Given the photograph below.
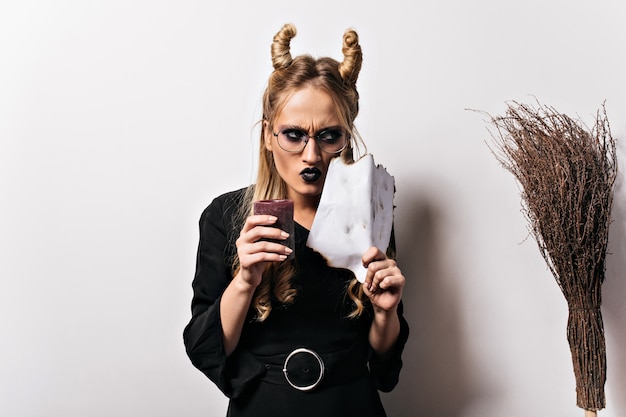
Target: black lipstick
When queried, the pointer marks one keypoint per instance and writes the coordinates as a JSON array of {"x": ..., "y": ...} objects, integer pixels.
[{"x": 310, "y": 174}]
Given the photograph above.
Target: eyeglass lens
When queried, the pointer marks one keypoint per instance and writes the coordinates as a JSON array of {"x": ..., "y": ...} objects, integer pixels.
[{"x": 295, "y": 140}]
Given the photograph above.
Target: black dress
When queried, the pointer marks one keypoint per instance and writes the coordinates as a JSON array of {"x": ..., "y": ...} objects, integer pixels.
[{"x": 252, "y": 376}]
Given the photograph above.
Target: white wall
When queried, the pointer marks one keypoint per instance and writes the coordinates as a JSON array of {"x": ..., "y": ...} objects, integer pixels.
[{"x": 121, "y": 120}]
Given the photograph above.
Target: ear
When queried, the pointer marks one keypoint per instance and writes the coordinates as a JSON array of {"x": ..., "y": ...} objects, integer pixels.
[{"x": 267, "y": 135}]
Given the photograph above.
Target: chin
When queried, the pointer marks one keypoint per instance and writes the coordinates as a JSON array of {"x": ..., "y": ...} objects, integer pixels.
[
  {"x": 313, "y": 193},
  {"x": 310, "y": 190}
]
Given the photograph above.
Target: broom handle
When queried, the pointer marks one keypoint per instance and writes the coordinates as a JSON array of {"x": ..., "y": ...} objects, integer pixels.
[{"x": 590, "y": 413}]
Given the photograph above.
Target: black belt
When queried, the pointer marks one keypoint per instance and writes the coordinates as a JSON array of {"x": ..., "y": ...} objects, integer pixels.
[{"x": 304, "y": 369}]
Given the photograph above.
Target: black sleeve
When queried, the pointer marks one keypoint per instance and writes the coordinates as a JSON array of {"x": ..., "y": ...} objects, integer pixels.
[
  {"x": 386, "y": 369},
  {"x": 203, "y": 335}
]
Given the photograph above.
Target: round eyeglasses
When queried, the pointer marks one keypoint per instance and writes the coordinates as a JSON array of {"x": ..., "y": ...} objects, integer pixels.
[{"x": 295, "y": 140}]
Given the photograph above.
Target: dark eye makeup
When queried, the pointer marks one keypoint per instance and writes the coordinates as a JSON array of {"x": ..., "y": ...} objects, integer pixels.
[{"x": 294, "y": 134}]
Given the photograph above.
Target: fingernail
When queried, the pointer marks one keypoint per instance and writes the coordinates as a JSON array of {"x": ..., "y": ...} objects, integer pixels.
[
  {"x": 288, "y": 250},
  {"x": 282, "y": 257},
  {"x": 272, "y": 218},
  {"x": 284, "y": 234}
]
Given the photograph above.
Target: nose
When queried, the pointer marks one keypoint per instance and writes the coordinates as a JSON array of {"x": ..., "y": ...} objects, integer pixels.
[{"x": 311, "y": 152}]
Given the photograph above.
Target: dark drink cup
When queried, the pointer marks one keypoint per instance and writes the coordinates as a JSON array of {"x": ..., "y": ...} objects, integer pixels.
[{"x": 283, "y": 210}]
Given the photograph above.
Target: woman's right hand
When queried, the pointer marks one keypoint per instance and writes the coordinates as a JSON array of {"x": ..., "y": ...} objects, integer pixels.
[{"x": 254, "y": 252}]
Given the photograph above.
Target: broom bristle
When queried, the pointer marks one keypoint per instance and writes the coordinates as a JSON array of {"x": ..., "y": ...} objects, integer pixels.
[{"x": 566, "y": 174}]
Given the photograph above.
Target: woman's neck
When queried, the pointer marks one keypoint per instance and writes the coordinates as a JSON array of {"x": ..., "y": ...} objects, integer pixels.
[{"x": 304, "y": 212}]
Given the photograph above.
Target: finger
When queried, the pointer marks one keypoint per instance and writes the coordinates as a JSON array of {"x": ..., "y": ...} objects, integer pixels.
[
  {"x": 262, "y": 232},
  {"x": 252, "y": 259},
  {"x": 383, "y": 270},
  {"x": 266, "y": 232},
  {"x": 258, "y": 220},
  {"x": 387, "y": 298},
  {"x": 392, "y": 282},
  {"x": 377, "y": 268},
  {"x": 269, "y": 247},
  {"x": 371, "y": 274},
  {"x": 372, "y": 254},
  {"x": 255, "y": 253},
  {"x": 386, "y": 263}
]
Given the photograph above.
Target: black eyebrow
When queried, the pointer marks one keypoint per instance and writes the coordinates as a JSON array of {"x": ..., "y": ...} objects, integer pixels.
[{"x": 324, "y": 129}]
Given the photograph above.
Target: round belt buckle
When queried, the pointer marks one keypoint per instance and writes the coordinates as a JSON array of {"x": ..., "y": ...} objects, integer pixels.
[{"x": 319, "y": 361}]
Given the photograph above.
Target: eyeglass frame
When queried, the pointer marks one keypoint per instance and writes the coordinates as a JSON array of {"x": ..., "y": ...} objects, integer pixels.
[{"x": 316, "y": 137}]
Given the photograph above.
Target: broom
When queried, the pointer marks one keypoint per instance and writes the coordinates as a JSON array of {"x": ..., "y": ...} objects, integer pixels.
[{"x": 566, "y": 173}]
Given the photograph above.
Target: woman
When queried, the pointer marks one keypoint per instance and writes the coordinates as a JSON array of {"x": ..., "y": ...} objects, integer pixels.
[{"x": 294, "y": 337}]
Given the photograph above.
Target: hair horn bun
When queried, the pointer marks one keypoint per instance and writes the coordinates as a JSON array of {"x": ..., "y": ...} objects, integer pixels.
[
  {"x": 352, "y": 57},
  {"x": 281, "y": 57}
]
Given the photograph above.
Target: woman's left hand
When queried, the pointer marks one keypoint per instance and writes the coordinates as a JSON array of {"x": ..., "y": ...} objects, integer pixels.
[{"x": 384, "y": 280}]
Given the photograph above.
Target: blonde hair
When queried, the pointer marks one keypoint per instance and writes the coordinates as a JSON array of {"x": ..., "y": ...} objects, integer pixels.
[{"x": 338, "y": 79}]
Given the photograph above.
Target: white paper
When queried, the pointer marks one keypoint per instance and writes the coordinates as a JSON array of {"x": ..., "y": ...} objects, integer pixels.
[{"x": 354, "y": 214}]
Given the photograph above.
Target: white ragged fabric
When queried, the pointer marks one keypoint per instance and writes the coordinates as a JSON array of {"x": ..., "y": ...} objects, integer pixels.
[{"x": 354, "y": 214}]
